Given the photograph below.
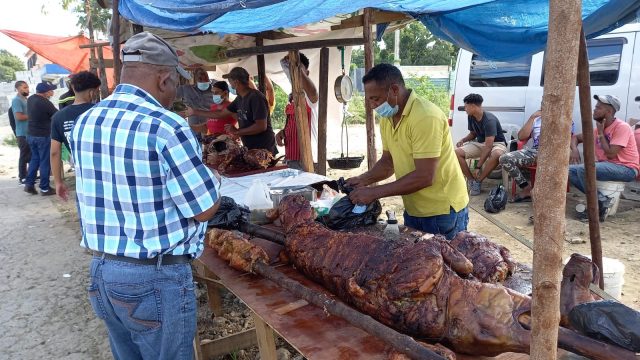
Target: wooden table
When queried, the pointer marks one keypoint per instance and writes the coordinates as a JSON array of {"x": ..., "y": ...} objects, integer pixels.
[{"x": 311, "y": 331}]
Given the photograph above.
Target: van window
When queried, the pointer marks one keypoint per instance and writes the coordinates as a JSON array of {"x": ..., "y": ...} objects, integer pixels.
[
  {"x": 604, "y": 61},
  {"x": 490, "y": 73}
]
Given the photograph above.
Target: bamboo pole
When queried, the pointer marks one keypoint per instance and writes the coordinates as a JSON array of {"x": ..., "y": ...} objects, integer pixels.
[
  {"x": 102, "y": 74},
  {"x": 302, "y": 118},
  {"x": 561, "y": 60},
  {"x": 401, "y": 342},
  {"x": 323, "y": 102},
  {"x": 584, "y": 89},
  {"x": 368, "y": 64},
  {"x": 117, "y": 65}
]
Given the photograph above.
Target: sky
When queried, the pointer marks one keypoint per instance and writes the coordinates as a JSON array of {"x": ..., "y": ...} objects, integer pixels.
[{"x": 27, "y": 16}]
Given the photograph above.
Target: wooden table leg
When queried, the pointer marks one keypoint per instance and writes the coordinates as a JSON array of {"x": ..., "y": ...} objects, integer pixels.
[
  {"x": 213, "y": 290},
  {"x": 266, "y": 339}
]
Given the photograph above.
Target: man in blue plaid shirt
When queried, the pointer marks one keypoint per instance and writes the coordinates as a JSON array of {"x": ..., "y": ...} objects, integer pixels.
[{"x": 144, "y": 198}]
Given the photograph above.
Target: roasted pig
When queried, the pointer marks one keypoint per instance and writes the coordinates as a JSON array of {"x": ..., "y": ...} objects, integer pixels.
[{"x": 491, "y": 262}]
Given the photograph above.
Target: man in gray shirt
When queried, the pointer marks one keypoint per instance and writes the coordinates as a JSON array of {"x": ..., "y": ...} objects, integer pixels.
[{"x": 198, "y": 96}]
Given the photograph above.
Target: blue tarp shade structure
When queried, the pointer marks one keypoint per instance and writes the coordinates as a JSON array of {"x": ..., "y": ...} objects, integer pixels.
[{"x": 495, "y": 29}]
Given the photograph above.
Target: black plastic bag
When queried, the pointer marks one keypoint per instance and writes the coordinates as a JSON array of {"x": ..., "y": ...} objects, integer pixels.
[
  {"x": 609, "y": 321},
  {"x": 342, "y": 217},
  {"x": 229, "y": 214},
  {"x": 496, "y": 201}
]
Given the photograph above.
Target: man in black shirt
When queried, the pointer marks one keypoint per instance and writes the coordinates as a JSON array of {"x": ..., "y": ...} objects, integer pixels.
[
  {"x": 485, "y": 142},
  {"x": 84, "y": 85},
  {"x": 40, "y": 110},
  {"x": 252, "y": 109}
]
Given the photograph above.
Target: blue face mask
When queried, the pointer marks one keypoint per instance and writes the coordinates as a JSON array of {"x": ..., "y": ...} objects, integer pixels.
[
  {"x": 203, "y": 86},
  {"x": 386, "y": 110},
  {"x": 217, "y": 99},
  {"x": 232, "y": 90}
]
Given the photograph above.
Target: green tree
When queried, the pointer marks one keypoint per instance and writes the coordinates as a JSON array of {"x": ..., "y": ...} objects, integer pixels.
[
  {"x": 9, "y": 64},
  {"x": 99, "y": 17},
  {"x": 417, "y": 47}
]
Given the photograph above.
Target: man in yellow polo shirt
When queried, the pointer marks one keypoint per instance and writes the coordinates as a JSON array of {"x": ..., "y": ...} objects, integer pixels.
[{"x": 417, "y": 148}]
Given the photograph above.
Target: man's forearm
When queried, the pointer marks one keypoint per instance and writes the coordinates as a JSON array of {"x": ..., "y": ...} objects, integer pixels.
[
  {"x": 380, "y": 171},
  {"x": 407, "y": 184},
  {"x": 56, "y": 165},
  {"x": 207, "y": 113},
  {"x": 251, "y": 130}
]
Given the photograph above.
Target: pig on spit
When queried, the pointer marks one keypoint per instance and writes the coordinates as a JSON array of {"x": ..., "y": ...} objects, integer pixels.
[{"x": 423, "y": 289}]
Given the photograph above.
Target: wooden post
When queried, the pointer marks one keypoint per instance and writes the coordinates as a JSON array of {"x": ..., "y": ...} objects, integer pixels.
[
  {"x": 323, "y": 101},
  {"x": 92, "y": 51},
  {"x": 261, "y": 68},
  {"x": 584, "y": 89},
  {"x": 102, "y": 73},
  {"x": 117, "y": 65},
  {"x": 368, "y": 64},
  {"x": 302, "y": 120},
  {"x": 561, "y": 60},
  {"x": 266, "y": 339}
]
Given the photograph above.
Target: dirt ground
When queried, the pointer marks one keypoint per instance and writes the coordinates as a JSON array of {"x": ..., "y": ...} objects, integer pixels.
[{"x": 45, "y": 311}]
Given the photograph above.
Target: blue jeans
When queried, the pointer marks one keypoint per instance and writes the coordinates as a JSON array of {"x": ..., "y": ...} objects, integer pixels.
[
  {"x": 605, "y": 171},
  {"x": 447, "y": 225},
  {"x": 40, "y": 149},
  {"x": 149, "y": 310}
]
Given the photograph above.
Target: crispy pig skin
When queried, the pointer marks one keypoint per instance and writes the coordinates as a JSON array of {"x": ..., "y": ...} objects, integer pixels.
[
  {"x": 491, "y": 262},
  {"x": 231, "y": 246},
  {"x": 417, "y": 288}
]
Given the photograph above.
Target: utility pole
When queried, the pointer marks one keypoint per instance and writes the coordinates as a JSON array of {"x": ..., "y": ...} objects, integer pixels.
[{"x": 396, "y": 48}]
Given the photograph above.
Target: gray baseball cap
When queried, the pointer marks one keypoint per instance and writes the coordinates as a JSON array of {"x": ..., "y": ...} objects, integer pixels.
[
  {"x": 609, "y": 100},
  {"x": 148, "y": 48}
]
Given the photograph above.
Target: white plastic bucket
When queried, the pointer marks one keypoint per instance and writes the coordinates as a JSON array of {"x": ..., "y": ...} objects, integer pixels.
[
  {"x": 611, "y": 189},
  {"x": 613, "y": 276}
]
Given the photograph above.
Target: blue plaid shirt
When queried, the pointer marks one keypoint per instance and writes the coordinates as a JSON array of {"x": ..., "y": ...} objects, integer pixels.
[{"x": 140, "y": 179}]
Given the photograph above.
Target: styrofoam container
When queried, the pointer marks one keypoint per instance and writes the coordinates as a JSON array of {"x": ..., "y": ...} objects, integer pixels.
[
  {"x": 613, "y": 274},
  {"x": 611, "y": 189}
]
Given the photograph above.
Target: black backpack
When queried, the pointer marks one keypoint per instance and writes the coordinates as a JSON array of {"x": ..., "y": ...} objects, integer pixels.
[
  {"x": 496, "y": 201},
  {"x": 12, "y": 121}
]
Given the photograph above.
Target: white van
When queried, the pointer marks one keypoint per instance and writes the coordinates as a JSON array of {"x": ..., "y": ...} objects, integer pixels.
[{"x": 512, "y": 90}]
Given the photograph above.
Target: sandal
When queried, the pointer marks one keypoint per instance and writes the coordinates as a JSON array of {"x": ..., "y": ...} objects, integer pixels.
[{"x": 519, "y": 199}]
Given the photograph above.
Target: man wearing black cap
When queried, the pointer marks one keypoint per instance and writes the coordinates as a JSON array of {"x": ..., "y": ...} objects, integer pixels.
[
  {"x": 144, "y": 199},
  {"x": 40, "y": 110},
  {"x": 615, "y": 147},
  {"x": 252, "y": 110}
]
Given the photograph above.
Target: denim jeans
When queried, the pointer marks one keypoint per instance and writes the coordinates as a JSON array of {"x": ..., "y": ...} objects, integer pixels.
[
  {"x": 447, "y": 225},
  {"x": 40, "y": 148},
  {"x": 149, "y": 310},
  {"x": 25, "y": 156},
  {"x": 605, "y": 171}
]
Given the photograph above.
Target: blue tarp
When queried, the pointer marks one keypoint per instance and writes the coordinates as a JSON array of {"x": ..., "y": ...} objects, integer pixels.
[{"x": 496, "y": 29}]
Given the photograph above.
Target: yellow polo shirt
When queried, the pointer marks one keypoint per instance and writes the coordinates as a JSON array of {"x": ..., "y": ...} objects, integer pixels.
[{"x": 423, "y": 132}]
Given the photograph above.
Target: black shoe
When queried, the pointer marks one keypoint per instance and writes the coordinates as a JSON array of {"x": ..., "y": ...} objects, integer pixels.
[
  {"x": 51, "y": 191},
  {"x": 603, "y": 209},
  {"x": 21, "y": 182},
  {"x": 30, "y": 189}
]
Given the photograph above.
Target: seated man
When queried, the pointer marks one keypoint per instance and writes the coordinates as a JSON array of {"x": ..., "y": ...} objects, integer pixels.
[
  {"x": 485, "y": 142},
  {"x": 513, "y": 161},
  {"x": 615, "y": 148}
]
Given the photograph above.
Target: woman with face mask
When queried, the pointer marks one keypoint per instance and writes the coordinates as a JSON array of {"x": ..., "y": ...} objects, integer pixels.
[{"x": 215, "y": 126}]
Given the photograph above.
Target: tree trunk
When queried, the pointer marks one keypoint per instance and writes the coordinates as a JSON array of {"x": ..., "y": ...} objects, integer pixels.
[{"x": 561, "y": 60}]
